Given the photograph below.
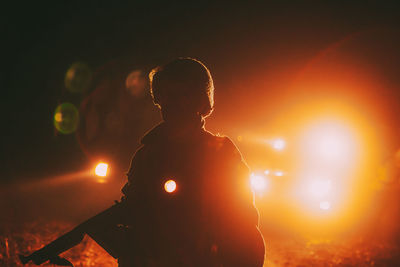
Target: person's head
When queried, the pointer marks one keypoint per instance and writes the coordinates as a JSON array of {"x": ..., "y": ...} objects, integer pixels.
[{"x": 182, "y": 88}]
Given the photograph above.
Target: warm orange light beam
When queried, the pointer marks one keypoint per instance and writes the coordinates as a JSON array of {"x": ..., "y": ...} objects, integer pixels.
[{"x": 57, "y": 180}]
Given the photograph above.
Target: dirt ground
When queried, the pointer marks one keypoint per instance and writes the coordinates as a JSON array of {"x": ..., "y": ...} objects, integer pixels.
[
  {"x": 25, "y": 238},
  {"x": 32, "y": 217}
]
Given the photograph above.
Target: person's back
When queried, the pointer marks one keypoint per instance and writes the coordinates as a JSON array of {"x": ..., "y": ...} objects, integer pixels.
[{"x": 187, "y": 190}]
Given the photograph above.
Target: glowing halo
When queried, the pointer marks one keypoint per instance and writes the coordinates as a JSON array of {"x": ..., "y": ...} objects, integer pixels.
[{"x": 170, "y": 186}]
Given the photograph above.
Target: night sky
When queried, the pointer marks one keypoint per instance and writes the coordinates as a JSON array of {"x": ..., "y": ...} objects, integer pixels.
[{"x": 253, "y": 50}]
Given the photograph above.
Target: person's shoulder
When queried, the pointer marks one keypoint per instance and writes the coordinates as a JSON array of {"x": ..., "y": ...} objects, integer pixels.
[{"x": 222, "y": 143}]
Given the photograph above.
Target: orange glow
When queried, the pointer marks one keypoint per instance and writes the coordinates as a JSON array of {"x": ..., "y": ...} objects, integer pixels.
[
  {"x": 327, "y": 170},
  {"x": 278, "y": 144},
  {"x": 330, "y": 141},
  {"x": 170, "y": 186},
  {"x": 258, "y": 183},
  {"x": 338, "y": 119},
  {"x": 101, "y": 169}
]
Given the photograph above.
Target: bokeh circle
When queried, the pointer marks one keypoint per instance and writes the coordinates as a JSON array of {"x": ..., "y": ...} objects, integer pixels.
[
  {"x": 78, "y": 78},
  {"x": 66, "y": 118}
]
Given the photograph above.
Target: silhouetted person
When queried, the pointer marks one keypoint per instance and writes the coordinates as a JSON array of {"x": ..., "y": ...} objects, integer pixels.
[{"x": 210, "y": 218}]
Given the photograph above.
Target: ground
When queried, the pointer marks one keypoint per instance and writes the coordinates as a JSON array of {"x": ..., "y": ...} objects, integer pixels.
[{"x": 281, "y": 251}]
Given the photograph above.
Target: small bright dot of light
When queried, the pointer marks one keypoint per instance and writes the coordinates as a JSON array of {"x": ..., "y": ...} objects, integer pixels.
[
  {"x": 101, "y": 169},
  {"x": 325, "y": 205},
  {"x": 278, "y": 144},
  {"x": 266, "y": 172},
  {"x": 58, "y": 117},
  {"x": 170, "y": 186},
  {"x": 279, "y": 173}
]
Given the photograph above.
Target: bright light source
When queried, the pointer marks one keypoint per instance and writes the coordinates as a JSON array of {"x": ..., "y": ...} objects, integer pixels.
[
  {"x": 325, "y": 205},
  {"x": 319, "y": 188},
  {"x": 258, "y": 183},
  {"x": 278, "y": 144},
  {"x": 170, "y": 186},
  {"x": 266, "y": 172},
  {"x": 330, "y": 142},
  {"x": 278, "y": 173},
  {"x": 329, "y": 150},
  {"x": 101, "y": 169}
]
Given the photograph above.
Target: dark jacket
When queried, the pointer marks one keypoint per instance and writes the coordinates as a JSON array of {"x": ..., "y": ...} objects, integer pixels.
[{"x": 210, "y": 220}]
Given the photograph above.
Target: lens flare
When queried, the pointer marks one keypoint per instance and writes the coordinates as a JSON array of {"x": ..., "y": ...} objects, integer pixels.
[
  {"x": 136, "y": 83},
  {"x": 78, "y": 78},
  {"x": 170, "y": 186},
  {"x": 66, "y": 118},
  {"x": 58, "y": 117},
  {"x": 101, "y": 169}
]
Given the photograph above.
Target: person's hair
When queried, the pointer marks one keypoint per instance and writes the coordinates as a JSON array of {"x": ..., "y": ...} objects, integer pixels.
[{"x": 184, "y": 82}]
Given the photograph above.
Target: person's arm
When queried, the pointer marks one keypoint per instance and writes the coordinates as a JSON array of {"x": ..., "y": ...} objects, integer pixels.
[{"x": 134, "y": 190}]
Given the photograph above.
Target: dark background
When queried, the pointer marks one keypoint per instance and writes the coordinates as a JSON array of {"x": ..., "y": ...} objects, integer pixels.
[{"x": 251, "y": 49}]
